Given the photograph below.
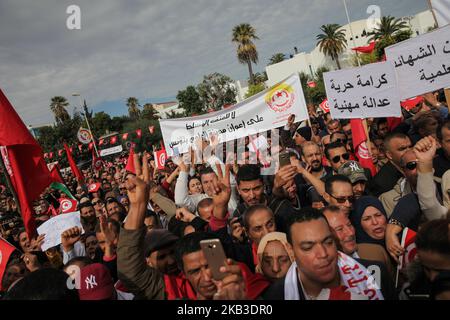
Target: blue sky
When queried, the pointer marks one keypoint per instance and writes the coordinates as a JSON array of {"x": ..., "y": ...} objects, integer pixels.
[{"x": 149, "y": 49}]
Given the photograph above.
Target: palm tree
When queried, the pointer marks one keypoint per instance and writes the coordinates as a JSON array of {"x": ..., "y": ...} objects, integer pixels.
[
  {"x": 58, "y": 106},
  {"x": 276, "y": 58},
  {"x": 387, "y": 28},
  {"x": 243, "y": 36},
  {"x": 149, "y": 112},
  {"x": 332, "y": 41},
  {"x": 133, "y": 108}
]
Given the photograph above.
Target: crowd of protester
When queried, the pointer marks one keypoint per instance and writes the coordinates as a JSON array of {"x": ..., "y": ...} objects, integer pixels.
[{"x": 316, "y": 228}]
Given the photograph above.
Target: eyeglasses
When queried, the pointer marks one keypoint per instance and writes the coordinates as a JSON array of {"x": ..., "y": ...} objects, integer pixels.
[
  {"x": 342, "y": 200},
  {"x": 411, "y": 165},
  {"x": 344, "y": 156}
]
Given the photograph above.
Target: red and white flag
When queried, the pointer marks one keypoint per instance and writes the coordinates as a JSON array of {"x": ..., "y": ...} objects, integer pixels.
[
  {"x": 113, "y": 140},
  {"x": 60, "y": 152},
  {"x": 324, "y": 106},
  {"x": 97, "y": 162},
  {"x": 100, "y": 142},
  {"x": 360, "y": 146},
  {"x": 50, "y": 155},
  {"x": 67, "y": 205},
  {"x": 151, "y": 129},
  {"x": 125, "y": 136},
  {"x": 139, "y": 133},
  {"x": 80, "y": 147},
  {"x": 130, "y": 162},
  {"x": 91, "y": 146},
  {"x": 408, "y": 243},
  {"x": 73, "y": 166},
  {"x": 94, "y": 187},
  {"x": 160, "y": 159}
]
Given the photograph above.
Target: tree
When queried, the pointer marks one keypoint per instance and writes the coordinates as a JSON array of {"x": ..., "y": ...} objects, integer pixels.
[
  {"x": 276, "y": 58},
  {"x": 243, "y": 35},
  {"x": 259, "y": 77},
  {"x": 216, "y": 90},
  {"x": 387, "y": 28},
  {"x": 332, "y": 41},
  {"x": 255, "y": 89},
  {"x": 189, "y": 100},
  {"x": 133, "y": 108},
  {"x": 58, "y": 106},
  {"x": 388, "y": 41},
  {"x": 101, "y": 124},
  {"x": 149, "y": 112}
]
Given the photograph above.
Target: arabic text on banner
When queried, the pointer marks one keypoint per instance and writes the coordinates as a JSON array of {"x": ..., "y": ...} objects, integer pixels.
[
  {"x": 422, "y": 64},
  {"x": 265, "y": 111},
  {"x": 363, "y": 92}
]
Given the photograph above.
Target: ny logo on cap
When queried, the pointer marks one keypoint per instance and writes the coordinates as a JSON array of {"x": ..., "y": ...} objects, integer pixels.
[
  {"x": 354, "y": 166},
  {"x": 90, "y": 282}
]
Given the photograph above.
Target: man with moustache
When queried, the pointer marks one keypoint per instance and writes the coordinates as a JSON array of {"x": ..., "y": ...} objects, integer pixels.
[
  {"x": 345, "y": 235},
  {"x": 321, "y": 272},
  {"x": 311, "y": 156}
]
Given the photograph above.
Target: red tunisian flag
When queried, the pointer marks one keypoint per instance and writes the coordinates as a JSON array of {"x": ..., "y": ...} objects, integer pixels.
[
  {"x": 360, "y": 146},
  {"x": 139, "y": 133},
  {"x": 24, "y": 161},
  {"x": 160, "y": 159},
  {"x": 408, "y": 243},
  {"x": 67, "y": 205},
  {"x": 73, "y": 165},
  {"x": 55, "y": 174},
  {"x": 5, "y": 252},
  {"x": 97, "y": 162},
  {"x": 325, "y": 106}
]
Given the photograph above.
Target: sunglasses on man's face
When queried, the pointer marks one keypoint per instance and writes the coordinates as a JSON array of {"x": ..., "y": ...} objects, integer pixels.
[
  {"x": 344, "y": 156},
  {"x": 411, "y": 165},
  {"x": 342, "y": 200}
]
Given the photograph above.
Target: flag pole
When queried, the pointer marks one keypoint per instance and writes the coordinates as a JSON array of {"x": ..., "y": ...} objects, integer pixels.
[
  {"x": 8, "y": 182},
  {"x": 351, "y": 31},
  {"x": 433, "y": 13}
]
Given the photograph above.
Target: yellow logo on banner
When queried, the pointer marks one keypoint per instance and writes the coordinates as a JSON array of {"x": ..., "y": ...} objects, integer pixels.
[{"x": 280, "y": 98}]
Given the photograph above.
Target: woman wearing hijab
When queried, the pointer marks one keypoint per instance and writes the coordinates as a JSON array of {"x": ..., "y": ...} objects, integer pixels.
[
  {"x": 274, "y": 256},
  {"x": 370, "y": 221}
]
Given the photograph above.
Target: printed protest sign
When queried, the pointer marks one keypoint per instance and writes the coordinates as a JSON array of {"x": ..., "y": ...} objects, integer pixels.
[
  {"x": 367, "y": 91},
  {"x": 267, "y": 110},
  {"x": 422, "y": 64}
]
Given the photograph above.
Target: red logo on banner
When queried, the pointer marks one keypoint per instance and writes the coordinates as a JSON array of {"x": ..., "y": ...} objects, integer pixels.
[{"x": 280, "y": 98}]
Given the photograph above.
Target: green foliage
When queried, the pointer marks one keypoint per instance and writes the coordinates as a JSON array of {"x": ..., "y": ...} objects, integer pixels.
[
  {"x": 243, "y": 35},
  {"x": 189, "y": 100},
  {"x": 216, "y": 90},
  {"x": 254, "y": 89},
  {"x": 133, "y": 108},
  {"x": 149, "y": 112},
  {"x": 332, "y": 41},
  {"x": 276, "y": 58},
  {"x": 317, "y": 94}
]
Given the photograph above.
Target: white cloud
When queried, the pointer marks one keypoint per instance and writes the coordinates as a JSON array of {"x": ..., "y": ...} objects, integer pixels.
[{"x": 148, "y": 49}]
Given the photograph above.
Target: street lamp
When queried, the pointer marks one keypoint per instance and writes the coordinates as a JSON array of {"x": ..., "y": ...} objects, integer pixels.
[{"x": 87, "y": 122}]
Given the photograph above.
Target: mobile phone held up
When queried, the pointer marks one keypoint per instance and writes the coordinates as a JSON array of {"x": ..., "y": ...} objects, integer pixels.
[
  {"x": 214, "y": 254},
  {"x": 285, "y": 158}
]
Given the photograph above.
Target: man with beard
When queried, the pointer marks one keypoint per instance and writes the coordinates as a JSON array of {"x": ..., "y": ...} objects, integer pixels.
[
  {"x": 312, "y": 157},
  {"x": 87, "y": 215}
]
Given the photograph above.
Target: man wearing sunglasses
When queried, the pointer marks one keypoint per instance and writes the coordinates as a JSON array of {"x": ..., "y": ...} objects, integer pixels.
[
  {"x": 336, "y": 154},
  {"x": 339, "y": 193},
  {"x": 405, "y": 185}
]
